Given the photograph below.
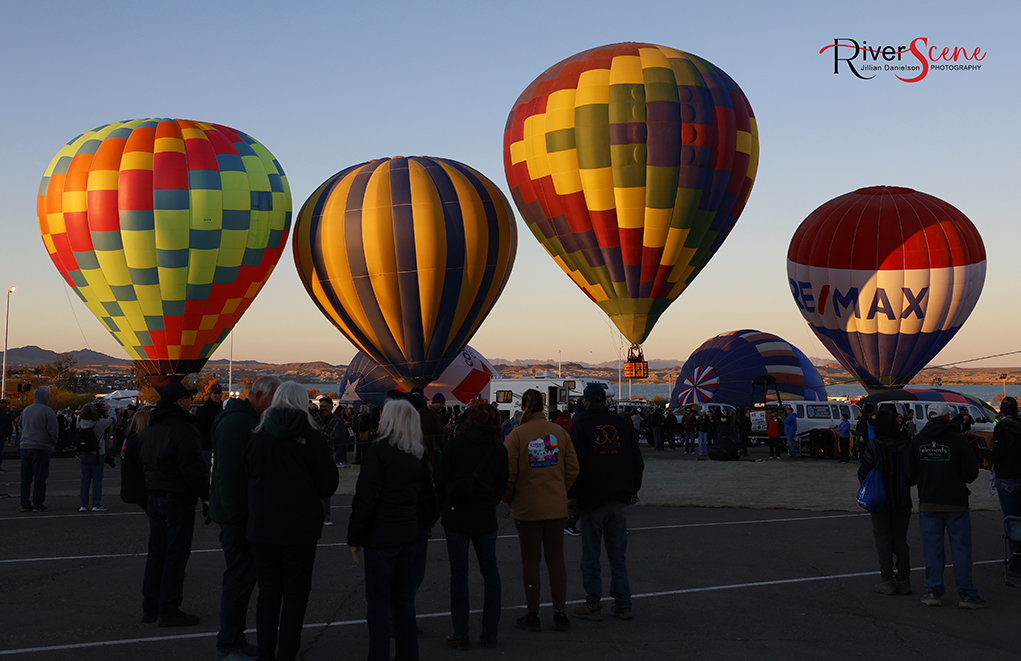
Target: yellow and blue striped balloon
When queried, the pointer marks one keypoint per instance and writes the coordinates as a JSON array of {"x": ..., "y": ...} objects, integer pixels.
[{"x": 406, "y": 257}]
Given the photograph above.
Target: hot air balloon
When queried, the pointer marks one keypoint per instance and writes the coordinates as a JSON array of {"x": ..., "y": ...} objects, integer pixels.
[
  {"x": 466, "y": 377},
  {"x": 726, "y": 369},
  {"x": 885, "y": 276},
  {"x": 167, "y": 229},
  {"x": 406, "y": 256},
  {"x": 631, "y": 164}
]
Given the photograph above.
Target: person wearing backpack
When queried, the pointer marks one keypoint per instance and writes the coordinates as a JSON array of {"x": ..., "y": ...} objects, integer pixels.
[
  {"x": 90, "y": 440},
  {"x": 888, "y": 452}
]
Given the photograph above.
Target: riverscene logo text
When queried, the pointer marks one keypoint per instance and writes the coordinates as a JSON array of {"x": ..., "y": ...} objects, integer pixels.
[{"x": 915, "y": 61}]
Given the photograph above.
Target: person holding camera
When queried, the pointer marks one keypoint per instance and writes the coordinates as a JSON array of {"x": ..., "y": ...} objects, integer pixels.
[{"x": 93, "y": 418}]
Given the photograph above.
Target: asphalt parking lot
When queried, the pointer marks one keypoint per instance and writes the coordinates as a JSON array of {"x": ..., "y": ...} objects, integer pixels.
[{"x": 708, "y": 582}]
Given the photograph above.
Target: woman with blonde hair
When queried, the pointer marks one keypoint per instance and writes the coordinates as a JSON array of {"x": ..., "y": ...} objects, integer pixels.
[
  {"x": 385, "y": 523},
  {"x": 542, "y": 467},
  {"x": 290, "y": 471}
]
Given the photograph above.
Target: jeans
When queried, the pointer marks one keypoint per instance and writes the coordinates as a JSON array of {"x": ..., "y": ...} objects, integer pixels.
[
  {"x": 485, "y": 552},
  {"x": 657, "y": 438},
  {"x": 607, "y": 522},
  {"x": 35, "y": 465},
  {"x": 239, "y": 576},
  {"x": 92, "y": 474},
  {"x": 792, "y": 446},
  {"x": 958, "y": 526},
  {"x": 285, "y": 581},
  {"x": 390, "y": 591},
  {"x": 703, "y": 440},
  {"x": 890, "y": 529},
  {"x": 340, "y": 456},
  {"x": 689, "y": 440},
  {"x": 1009, "y": 492},
  {"x": 171, "y": 525}
]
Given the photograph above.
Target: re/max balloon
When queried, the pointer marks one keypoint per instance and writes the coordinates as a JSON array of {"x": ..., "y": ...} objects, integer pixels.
[
  {"x": 466, "y": 378},
  {"x": 167, "y": 229},
  {"x": 885, "y": 277},
  {"x": 406, "y": 256},
  {"x": 724, "y": 369},
  {"x": 631, "y": 163}
]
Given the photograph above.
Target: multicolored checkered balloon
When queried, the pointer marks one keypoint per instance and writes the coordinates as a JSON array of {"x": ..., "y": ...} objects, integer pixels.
[
  {"x": 631, "y": 164},
  {"x": 167, "y": 229}
]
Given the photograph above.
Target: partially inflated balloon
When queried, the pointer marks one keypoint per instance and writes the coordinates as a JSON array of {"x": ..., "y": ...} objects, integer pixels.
[
  {"x": 167, "y": 230},
  {"x": 406, "y": 256},
  {"x": 631, "y": 164},
  {"x": 466, "y": 377},
  {"x": 725, "y": 367},
  {"x": 885, "y": 277}
]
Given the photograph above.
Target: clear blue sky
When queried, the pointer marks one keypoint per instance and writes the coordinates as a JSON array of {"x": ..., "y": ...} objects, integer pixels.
[{"x": 328, "y": 85}]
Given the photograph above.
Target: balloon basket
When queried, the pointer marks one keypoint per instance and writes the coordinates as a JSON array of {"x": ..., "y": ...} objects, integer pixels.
[{"x": 636, "y": 367}]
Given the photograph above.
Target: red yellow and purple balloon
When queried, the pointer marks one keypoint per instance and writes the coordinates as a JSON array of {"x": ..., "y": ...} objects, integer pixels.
[
  {"x": 631, "y": 164},
  {"x": 167, "y": 229},
  {"x": 406, "y": 257}
]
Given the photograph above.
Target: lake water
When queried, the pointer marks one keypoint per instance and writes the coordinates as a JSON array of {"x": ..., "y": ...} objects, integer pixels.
[{"x": 984, "y": 392}]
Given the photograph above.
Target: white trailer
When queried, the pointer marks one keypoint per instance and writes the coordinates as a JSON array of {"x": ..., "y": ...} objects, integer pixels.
[{"x": 556, "y": 391}]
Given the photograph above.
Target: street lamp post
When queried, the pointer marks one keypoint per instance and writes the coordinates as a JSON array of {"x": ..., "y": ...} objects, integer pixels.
[{"x": 7, "y": 317}]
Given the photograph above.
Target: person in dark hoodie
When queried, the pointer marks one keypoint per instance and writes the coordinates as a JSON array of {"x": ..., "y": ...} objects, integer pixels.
[
  {"x": 175, "y": 478},
  {"x": 1006, "y": 458},
  {"x": 385, "y": 524},
  {"x": 942, "y": 464},
  {"x": 228, "y": 506},
  {"x": 888, "y": 453},
  {"x": 290, "y": 471},
  {"x": 470, "y": 482},
  {"x": 38, "y": 424},
  {"x": 610, "y": 476}
]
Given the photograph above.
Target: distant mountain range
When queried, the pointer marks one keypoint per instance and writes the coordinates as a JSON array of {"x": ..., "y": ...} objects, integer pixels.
[
  {"x": 33, "y": 356},
  {"x": 654, "y": 363}
]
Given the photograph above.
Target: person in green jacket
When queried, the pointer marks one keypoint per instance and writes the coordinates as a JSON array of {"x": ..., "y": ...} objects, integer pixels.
[{"x": 228, "y": 506}]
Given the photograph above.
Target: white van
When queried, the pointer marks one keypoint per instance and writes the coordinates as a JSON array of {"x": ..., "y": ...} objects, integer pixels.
[
  {"x": 982, "y": 419},
  {"x": 817, "y": 414}
]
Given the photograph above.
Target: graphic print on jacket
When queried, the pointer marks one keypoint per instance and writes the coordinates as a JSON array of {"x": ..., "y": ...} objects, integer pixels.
[{"x": 543, "y": 452}]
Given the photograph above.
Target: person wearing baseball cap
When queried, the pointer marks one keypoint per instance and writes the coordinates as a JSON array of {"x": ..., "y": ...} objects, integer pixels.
[
  {"x": 205, "y": 416},
  {"x": 942, "y": 464},
  {"x": 176, "y": 477}
]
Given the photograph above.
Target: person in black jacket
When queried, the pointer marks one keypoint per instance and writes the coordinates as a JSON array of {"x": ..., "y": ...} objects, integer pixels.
[
  {"x": 205, "y": 417},
  {"x": 290, "y": 471},
  {"x": 470, "y": 482},
  {"x": 176, "y": 477},
  {"x": 385, "y": 523},
  {"x": 942, "y": 464},
  {"x": 132, "y": 474},
  {"x": 1006, "y": 458},
  {"x": 888, "y": 453}
]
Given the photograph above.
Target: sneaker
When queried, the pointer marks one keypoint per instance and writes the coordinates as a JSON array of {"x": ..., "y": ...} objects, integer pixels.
[
  {"x": 26, "y": 508},
  {"x": 590, "y": 613},
  {"x": 234, "y": 655},
  {"x": 930, "y": 598},
  {"x": 327, "y": 522},
  {"x": 149, "y": 618},
  {"x": 560, "y": 621},
  {"x": 529, "y": 622},
  {"x": 972, "y": 602},
  {"x": 99, "y": 508},
  {"x": 623, "y": 612},
  {"x": 178, "y": 619},
  {"x": 572, "y": 530},
  {"x": 903, "y": 587},
  {"x": 39, "y": 508},
  {"x": 487, "y": 641},
  {"x": 340, "y": 464},
  {"x": 83, "y": 509},
  {"x": 889, "y": 588}
]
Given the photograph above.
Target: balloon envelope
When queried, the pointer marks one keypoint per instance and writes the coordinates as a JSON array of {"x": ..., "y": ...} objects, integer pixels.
[
  {"x": 885, "y": 277},
  {"x": 631, "y": 163},
  {"x": 167, "y": 230},
  {"x": 466, "y": 377},
  {"x": 406, "y": 256},
  {"x": 724, "y": 368}
]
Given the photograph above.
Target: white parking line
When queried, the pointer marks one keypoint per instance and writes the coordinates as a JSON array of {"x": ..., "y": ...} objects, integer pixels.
[
  {"x": 434, "y": 539},
  {"x": 343, "y": 623}
]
